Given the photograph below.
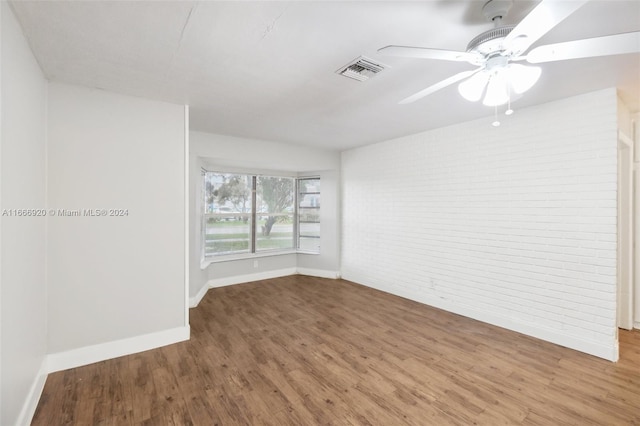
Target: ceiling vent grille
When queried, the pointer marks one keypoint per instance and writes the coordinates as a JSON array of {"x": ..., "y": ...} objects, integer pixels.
[{"x": 361, "y": 69}]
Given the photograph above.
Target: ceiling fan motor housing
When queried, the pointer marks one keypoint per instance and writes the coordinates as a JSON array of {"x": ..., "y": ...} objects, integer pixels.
[{"x": 490, "y": 42}]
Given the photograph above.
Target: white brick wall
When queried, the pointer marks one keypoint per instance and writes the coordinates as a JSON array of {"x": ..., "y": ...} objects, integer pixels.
[{"x": 514, "y": 225}]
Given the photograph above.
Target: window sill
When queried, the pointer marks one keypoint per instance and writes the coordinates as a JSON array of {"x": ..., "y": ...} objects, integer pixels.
[{"x": 205, "y": 263}]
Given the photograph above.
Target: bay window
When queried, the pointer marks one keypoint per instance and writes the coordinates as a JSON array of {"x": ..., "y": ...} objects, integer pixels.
[{"x": 249, "y": 214}]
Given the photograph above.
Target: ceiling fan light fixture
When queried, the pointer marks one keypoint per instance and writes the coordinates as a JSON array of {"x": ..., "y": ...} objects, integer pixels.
[
  {"x": 499, "y": 82},
  {"x": 472, "y": 88},
  {"x": 497, "y": 90}
]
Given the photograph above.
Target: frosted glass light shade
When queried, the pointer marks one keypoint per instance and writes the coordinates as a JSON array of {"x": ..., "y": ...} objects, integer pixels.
[
  {"x": 497, "y": 90},
  {"x": 498, "y": 84},
  {"x": 522, "y": 78},
  {"x": 472, "y": 88}
]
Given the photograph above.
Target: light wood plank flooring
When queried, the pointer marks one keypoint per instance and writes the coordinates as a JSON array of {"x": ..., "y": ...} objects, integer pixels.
[{"x": 309, "y": 351}]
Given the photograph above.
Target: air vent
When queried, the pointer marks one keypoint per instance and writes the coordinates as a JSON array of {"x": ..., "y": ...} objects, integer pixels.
[{"x": 361, "y": 69}]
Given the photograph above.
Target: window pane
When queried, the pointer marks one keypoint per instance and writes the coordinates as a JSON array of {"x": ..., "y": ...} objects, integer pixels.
[
  {"x": 310, "y": 244},
  {"x": 280, "y": 237},
  {"x": 309, "y": 214},
  {"x": 310, "y": 185},
  {"x": 274, "y": 212},
  {"x": 228, "y": 193},
  {"x": 224, "y": 236},
  {"x": 309, "y": 230},
  {"x": 309, "y": 201},
  {"x": 228, "y": 213}
]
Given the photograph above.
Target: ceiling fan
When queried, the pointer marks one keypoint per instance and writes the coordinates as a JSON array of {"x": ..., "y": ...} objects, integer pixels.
[{"x": 499, "y": 77}]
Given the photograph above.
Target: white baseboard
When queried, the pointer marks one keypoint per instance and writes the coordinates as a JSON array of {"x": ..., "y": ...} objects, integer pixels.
[
  {"x": 322, "y": 273},
  {"x": 599, "y": 349},
  {"x": 636, "y": 324},
  {"x": 100, "y": 352},
  {"x": 33, "y": 397},
  {"x": 239, "y": 279},
  {"x": 247, "y": 278},
  {"x": 90, "y": 354},
  {"x": 606, "y": 351},
  {"x": 193, "y": 301}
]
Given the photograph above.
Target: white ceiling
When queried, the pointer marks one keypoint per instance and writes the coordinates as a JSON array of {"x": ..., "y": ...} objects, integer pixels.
[{"x": 266, "y": 69}]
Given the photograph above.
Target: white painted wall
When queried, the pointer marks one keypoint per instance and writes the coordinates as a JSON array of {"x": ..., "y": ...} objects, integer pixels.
[
  {"x": 249, "y": 154},
  {"x": 624, "y": 264},
  {"x": 515, "y": 225},
  {"x": 636, "y": 220},
  {"x": 113, "y": 278},
  {"x": 23, "y": 94}
]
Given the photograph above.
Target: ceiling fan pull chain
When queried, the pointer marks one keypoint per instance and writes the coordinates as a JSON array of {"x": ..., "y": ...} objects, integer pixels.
[
  {"x": 495, "y": 123},
  {"x": 509, "y": 111}
]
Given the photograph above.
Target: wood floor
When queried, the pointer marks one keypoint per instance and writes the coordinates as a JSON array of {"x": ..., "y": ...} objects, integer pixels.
[{"x": 306, "y": 351}]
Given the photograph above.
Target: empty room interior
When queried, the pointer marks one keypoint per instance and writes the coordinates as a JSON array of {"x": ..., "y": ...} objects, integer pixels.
[{"x": 310, "y": 212}]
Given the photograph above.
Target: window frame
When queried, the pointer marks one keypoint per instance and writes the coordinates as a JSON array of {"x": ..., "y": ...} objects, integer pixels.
[
  {"x": 253, "y": 251},
  {"x": 206, "y": 216}
]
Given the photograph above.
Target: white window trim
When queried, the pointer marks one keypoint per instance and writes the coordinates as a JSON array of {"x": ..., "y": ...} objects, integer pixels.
[{"x": 206, "y": 261}]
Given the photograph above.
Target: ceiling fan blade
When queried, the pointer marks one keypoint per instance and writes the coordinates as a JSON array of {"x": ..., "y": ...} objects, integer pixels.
[
  {"x": 427, "y": 53},
  {"x": 546, "y": 15},
  {"x": 617, "y": 44},
  {"x": 440, "y": 85}
]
